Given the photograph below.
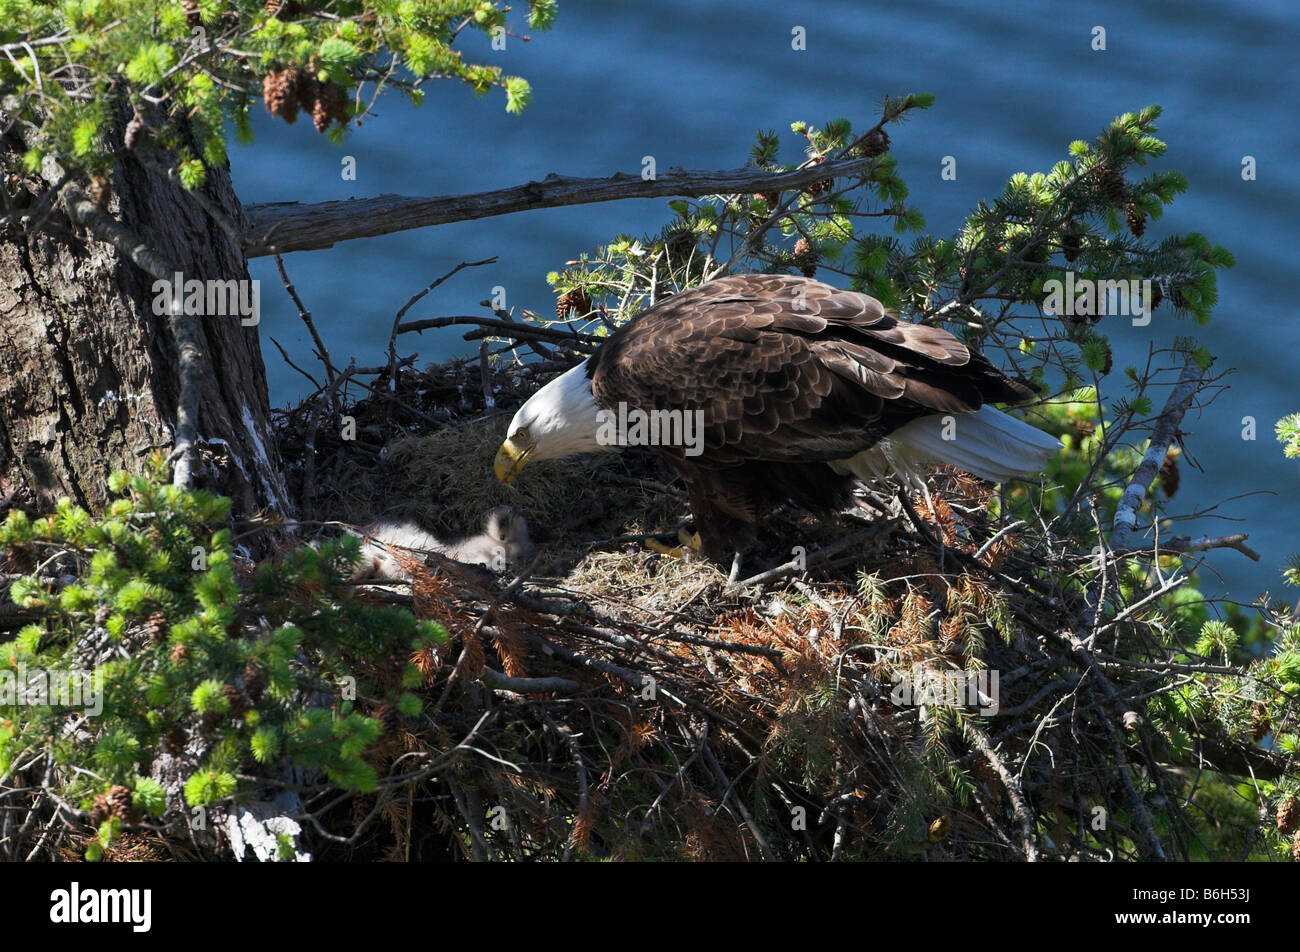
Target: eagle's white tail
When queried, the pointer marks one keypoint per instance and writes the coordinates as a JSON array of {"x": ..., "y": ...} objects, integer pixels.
[{"x": 988, "y": 443}]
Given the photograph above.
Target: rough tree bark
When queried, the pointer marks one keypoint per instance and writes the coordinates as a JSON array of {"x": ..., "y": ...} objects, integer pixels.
[{"x": 89, "y": 380}]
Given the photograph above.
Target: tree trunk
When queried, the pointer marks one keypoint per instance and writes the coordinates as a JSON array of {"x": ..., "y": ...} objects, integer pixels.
[{"x": 88, "y": 371}]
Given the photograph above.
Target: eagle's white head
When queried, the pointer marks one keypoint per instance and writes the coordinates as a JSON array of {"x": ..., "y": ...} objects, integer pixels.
[{"x": 558, "y": 420}]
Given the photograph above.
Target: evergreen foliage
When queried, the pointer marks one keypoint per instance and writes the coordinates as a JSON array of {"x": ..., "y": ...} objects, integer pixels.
[
  {"x": 204, "y": 662},
  {"x": 172, "y": 74}
]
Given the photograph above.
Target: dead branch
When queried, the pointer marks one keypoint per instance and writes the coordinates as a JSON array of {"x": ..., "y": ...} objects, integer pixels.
[
  {"x": 495, "y": 327},
  {"x": 293, "y": 226},
  {"x": 1161, "y": 436}
]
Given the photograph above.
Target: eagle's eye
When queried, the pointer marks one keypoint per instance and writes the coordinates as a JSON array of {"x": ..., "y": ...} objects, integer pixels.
[{"x": 521, "y": 435}]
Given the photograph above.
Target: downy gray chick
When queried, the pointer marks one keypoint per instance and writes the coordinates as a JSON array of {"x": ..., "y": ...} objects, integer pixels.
[{"x": 503, "y": 543}]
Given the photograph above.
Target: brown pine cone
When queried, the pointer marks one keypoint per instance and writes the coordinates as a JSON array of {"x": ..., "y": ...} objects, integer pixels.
[
  {"x": 391, "y": 718},
  {"x": 191, "y": 8},
  {"x": 805, "y": 257},
  {"x": 1071, "y": 244},
  {"x": 156, "y": 626},
  {"x": 119, "y": 805},
  {"x": 576, "y": 301},
  {"x": 254, "y": 682},
  {"x": 331, "y": 106},
  {"x": 100, "y": 811},
  {"x": 180, "y": 652},
  {"x": 100, "y": 191},
  {"x": 875, "y": 143},
  {"x": 1157, "y": 295},
  {"x": 1137, "y": 219},
  {"x": 1288, "y": 815},
  {"x": 282, "y": 9},
  {"x": 235, "y": 699},
  {"x": 1169, "y": 475},
  {"x": 174, "y": 740},
  {"x": 281, "y": 92},
  {"x": 822, "y": 187},
  {"x": 1260, "y": 723},
  {"x": 1295, "y": 847},
  {"x": 1111, "y": 182},
  {"x": 211, "y": 721}
]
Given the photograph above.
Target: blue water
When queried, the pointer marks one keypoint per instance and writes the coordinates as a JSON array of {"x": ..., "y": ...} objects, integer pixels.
[{"x": 690, "y": 82}]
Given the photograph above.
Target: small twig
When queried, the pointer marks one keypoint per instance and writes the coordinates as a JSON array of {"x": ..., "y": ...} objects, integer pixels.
[
  {"x": 322, "y": 354},
  {"x": 485, "y": 376},
  {"x": 1236, "y": 540},
  {"x": 315, "y": 383},
  {"x": 495, "y": 327},
  {"x": 1004, "y": 531},
  {"x": 1180, "y": 399},
  {"x": 502, "y": 682},
  {"x": 415, "y": 298},
  {"x": 1012, "y": 785}
]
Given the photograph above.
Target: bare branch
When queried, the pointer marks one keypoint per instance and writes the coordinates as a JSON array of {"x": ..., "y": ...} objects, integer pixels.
[
  {"x": 1163, "y": 434},
  {"x": 292, "y": 226}
]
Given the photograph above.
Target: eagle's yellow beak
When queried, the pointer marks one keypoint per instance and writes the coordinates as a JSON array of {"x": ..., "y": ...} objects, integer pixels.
[{"x": 510, "y": 460}]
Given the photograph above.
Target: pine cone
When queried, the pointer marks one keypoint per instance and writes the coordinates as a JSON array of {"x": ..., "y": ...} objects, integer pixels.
[
  {"x": 118, "y": 802},
  {"x": 1111, "y": 182},
  {"x": 805, "y": 257},
  {"x": 281, "y": 89},
  {"x": 191, "y": 8},
  {"x": 391, "y": 718},
  {"x": 331, "y": 106},
  {"x": 254, "y": 682},
  {"x": 576, "y": 300},
  {"x": 1295, "y": 847},
  {"x": 1169, "y": 475},
  {"x": 1157, "y": 295},
  {"x": 174, "y": 740},
  {"x": 211, "y": 721},
  {"x": 875, "y": 143},
  {"x": 1137, "y": 219},
  {"x": 1109, "y": 363},
  {"x": 1071, "y": 244},
  {"x": 825, "y": 185},
  {"x": 235, "y": 699},
  {"x": 1288, "y": 815},
  {"x": 1176, "y": 298},
  {"x": 99, "y": 192},
  {"x": 156, "y": 626},
  {"x": 100, "y": 811},
  {"x": 1260, "y": 724},
  {"x": 282, "y": 9},
  {"x": 180, "y": 652}
]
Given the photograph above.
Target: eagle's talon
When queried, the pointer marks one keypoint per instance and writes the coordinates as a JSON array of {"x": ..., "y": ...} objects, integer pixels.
[
  {"x": 690, "y": 547},
  {"x": 673, "y": 552}
]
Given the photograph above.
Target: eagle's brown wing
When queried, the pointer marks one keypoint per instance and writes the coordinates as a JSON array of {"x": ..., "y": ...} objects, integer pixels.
[{"x": 787, "y": 368}]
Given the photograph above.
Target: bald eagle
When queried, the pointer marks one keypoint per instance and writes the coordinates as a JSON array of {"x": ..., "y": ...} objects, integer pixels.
[{"x": 790, "y": 389}]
